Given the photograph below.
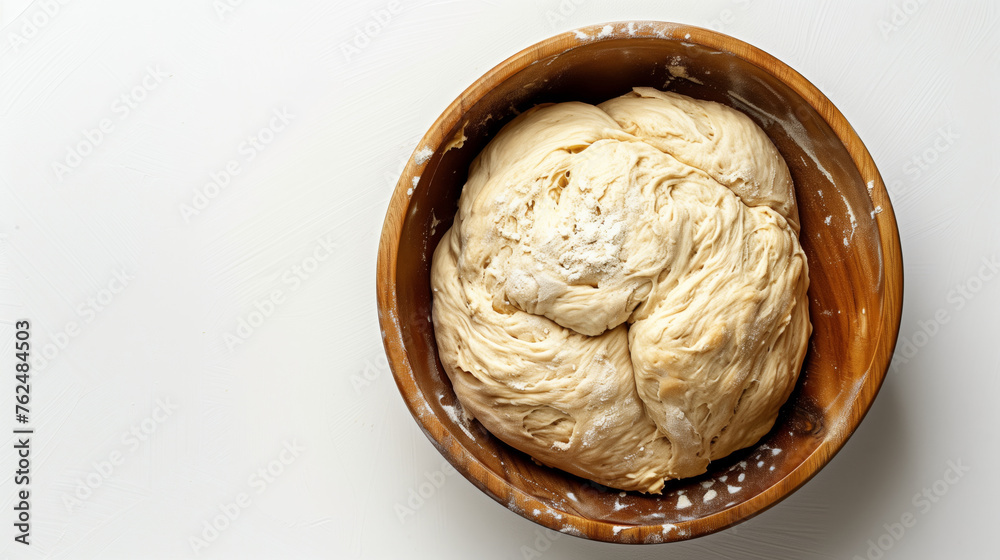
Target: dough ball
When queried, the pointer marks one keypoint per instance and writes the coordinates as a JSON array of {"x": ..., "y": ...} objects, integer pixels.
[{"x": 622, "y": 294}]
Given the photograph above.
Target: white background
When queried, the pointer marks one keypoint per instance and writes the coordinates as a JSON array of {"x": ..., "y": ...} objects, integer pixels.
[{"x": 916, "y": 80}]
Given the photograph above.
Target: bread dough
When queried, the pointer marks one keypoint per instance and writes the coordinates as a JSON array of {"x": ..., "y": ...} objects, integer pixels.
[{"x": 622, "y": 294}]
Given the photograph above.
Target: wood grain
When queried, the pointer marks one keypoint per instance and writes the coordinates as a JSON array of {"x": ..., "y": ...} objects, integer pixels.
[{"x": 849, "y": 235}]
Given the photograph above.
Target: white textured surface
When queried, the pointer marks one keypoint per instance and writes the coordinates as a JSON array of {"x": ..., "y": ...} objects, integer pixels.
[{"x": 309, "y": 385}]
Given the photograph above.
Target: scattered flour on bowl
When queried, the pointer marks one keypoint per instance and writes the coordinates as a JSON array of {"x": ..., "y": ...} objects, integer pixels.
[
  {"x": 827, "y": 220},
  {"x": 683, "y": 502},
  {"x": 850, "y": 214},
  {"x": 792, "y": 127},
  {"x": 457, "y": 415},
  {"x": 678, "y": 71},
  {"x": 709, "y": 496},
  {"x": 570, "y": 530},
  {"x": 605, "y": 31},
  {"x": 733, "y": 489},
  {"x": 423, "y": 155}
]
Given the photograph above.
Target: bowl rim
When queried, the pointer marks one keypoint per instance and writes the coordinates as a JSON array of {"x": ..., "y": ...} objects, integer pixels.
[{"x": 501, "y": 490}]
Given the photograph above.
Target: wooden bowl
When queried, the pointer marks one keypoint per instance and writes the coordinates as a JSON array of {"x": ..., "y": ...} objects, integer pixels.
[{"x": 848, "y": 233}]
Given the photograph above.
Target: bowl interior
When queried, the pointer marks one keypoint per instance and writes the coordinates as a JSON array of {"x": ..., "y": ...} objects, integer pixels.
[{"x": 840, "y": 235}]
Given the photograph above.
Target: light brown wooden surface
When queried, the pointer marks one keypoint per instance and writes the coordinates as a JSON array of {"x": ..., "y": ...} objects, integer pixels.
[{"x": 855, "y": 264}]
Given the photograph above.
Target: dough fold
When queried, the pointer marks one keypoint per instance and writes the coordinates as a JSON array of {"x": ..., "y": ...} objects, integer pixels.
[{"x": 622, "y": 294}]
